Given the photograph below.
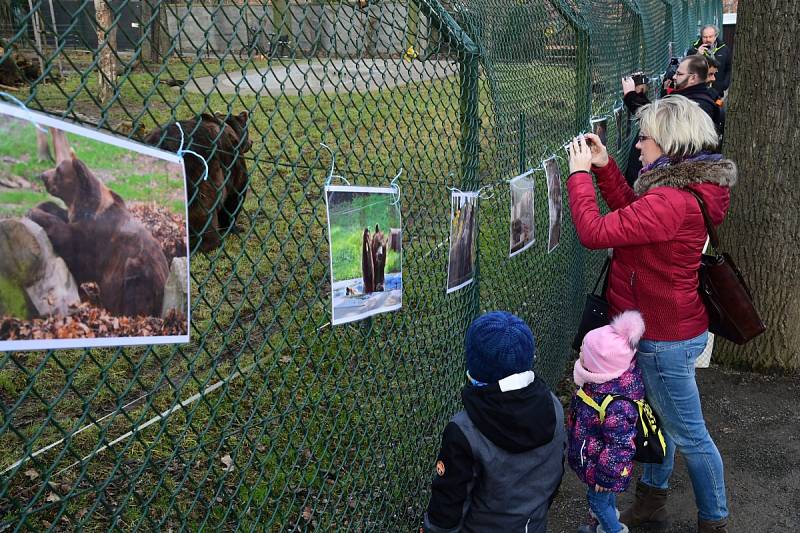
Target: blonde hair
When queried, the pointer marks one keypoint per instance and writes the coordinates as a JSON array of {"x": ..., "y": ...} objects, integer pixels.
[{"x": 678, "y": 126}]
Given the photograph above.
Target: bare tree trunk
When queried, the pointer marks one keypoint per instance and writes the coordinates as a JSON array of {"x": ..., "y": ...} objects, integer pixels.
[
  {"x": 106, "y": 47},
  {"x": 762, "y": 137},
  {"x": 43, "y": 147}
]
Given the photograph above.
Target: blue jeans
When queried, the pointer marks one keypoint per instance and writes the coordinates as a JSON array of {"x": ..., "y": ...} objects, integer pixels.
[
  {"x": 604, "y": 507},
  {"x": 668, "y": 371}
]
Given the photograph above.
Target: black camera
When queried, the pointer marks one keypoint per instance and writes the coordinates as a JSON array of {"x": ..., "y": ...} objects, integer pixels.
[
  {"x": 640, "y": 79},
  {"x": 672, "y": 68}
]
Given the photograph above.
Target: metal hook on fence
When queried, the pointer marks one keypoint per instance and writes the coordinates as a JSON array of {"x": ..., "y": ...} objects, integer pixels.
[
  {"x": 396, "y": 187},
  {"x": 331, "y": 175},
  {"x": 181, "y": 152},
  {"x": 20, "y": 104}
]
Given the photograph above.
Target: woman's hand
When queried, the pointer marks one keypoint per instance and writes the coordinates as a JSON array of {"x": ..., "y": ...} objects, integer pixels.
[
  {"x": 599, "y": 152},
  {"x": 585, "y": 151},
  {"x": 580, "y": 157}
]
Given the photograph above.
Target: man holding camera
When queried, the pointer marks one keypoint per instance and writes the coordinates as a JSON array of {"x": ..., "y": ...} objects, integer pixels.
[
  {"x": 709, "y": 45},
  {"x": 689, "y": 80}
]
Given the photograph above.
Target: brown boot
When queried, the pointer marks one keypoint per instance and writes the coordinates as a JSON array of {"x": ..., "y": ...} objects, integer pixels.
[
  {"x": 648, "y": 510},
  {"x": 712, "y": 526}
]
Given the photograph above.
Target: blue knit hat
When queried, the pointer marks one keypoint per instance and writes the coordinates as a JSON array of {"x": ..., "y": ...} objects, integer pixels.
[{"x": 498, "y": 344}]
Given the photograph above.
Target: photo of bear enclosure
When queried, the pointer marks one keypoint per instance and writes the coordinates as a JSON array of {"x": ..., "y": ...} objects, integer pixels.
[{"x": 271, "y": 418}]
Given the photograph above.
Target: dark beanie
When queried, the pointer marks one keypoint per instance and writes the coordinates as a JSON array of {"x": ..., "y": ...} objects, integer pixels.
[{"x": 498, "y": 344}]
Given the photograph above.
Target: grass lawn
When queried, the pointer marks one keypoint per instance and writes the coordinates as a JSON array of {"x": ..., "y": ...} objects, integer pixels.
[{"x": 306, "y": 425}]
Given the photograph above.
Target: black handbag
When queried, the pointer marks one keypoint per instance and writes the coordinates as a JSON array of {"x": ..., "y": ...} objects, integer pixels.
[
  {"x": 595, "y": 310},
  {"x": 728, "y": 300}
]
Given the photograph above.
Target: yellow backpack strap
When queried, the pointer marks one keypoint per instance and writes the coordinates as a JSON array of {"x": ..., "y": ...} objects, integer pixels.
[{"x": 600, "y": 408}]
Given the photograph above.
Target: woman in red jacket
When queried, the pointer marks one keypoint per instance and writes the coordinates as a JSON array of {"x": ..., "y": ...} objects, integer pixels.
[{"x": 657, "y": 232}]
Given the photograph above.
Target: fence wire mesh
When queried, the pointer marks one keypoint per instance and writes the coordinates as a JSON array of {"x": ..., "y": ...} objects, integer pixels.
[{"x": 271, "y": 419}]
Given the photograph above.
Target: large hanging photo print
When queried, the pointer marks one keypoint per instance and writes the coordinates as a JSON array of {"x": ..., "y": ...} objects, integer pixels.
[
  {"x": 364, "y": 230},
  {"x": 93, "y": 238},
  {"x": 463, "y": 232}
]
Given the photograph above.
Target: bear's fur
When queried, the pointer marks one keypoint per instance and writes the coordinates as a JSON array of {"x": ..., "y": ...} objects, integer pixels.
[
  {"x": 101, "y": 241},
  {"x": 380, "y": 247},
  {"x": 214, "y": 203},
  {"x": 373, "y": 259},
  {"x": 367, "y": 265}
]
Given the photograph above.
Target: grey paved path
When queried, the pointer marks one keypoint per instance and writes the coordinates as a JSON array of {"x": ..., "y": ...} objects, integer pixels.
[{"x": 334, "y": 75}]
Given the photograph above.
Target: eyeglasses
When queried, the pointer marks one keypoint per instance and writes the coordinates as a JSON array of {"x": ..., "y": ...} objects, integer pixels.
[{"x": 643, "y": 138}]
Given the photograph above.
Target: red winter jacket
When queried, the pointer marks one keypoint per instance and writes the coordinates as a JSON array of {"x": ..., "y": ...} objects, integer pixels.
[{"x": 657, "y": 234}]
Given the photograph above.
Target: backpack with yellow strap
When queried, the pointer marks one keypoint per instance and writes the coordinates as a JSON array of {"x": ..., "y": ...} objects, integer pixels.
[{"x": 650, "y": 445}]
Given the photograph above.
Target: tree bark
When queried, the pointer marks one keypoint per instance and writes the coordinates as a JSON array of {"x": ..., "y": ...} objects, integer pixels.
[
  {"x": 107, "y": 47},
  {"x": 762, "y": 231}
]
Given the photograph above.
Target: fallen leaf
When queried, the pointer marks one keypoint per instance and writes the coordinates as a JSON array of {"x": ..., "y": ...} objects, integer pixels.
[
  {"x": 228, "y": 462},
  {"x": 31, "y": 474},
  {"x": 53, "y": 497},
  {"x": 308, "y": 513},
  {"x": 286, "y": 359}
]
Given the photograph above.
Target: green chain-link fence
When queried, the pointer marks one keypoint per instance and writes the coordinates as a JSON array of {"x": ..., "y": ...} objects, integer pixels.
[{"x": 271, "y": 419}]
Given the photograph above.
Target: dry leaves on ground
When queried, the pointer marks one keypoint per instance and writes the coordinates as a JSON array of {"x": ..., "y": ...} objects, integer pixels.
[
  {"x": 167, "y": 228},
  {"x": 88, "y": 321}
]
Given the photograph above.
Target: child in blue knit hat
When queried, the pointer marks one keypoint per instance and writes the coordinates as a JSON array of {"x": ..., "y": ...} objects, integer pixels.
[{"x": 502, "y": 456}]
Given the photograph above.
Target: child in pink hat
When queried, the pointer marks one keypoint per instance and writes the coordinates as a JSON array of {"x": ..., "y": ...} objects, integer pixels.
[{"x": 601, "y": 454}]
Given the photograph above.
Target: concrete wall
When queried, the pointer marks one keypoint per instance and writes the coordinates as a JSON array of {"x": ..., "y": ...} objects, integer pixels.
[{"x": 316, "y": 29}]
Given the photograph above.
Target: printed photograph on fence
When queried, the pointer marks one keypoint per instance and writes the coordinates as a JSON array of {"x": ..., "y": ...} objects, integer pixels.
[
  {"x": 619, "y": 118},
  {"x": 463, "y": 233},
  {"x": 522, "y": 225},
  {"x": 600, "y": 128},
  {"x": 365, "y": 235},
  {"x": 553, "y": 173},
  {"x": 93, "y": 238}
]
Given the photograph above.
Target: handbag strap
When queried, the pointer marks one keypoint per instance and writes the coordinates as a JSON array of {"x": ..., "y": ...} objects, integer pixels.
[
  {"x": 603, "y": 274},
  {"x": 712, "y": 231}
]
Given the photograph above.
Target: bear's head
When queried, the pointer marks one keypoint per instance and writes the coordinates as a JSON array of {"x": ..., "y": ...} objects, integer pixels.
[
  {"x": 239, "y": 125},
  {"x": 82, "y": 193}
]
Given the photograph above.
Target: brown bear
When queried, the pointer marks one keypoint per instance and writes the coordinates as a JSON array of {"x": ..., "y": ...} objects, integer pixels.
[
  {"x": 380, "y": 247},
  {"x": 101, "y": 241},
  {"x": 367, "y": 265},
  {"x": 214, "y": 203}
]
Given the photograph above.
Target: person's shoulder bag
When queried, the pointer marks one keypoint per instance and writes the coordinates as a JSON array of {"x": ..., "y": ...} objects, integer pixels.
[
  {"x": 728, "y": 300},
  {"x": 595, "y": 310}
]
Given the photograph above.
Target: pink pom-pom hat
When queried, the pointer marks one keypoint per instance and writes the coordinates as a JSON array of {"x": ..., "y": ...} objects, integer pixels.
[{"x": 608, "y": 351}]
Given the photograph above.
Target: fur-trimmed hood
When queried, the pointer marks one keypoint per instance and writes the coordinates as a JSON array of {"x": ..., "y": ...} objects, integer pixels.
[{"x": 682, "y": 175}]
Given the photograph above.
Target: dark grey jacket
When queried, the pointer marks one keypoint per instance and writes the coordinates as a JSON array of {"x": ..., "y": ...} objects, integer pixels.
[{"x": 501, "y": 461}]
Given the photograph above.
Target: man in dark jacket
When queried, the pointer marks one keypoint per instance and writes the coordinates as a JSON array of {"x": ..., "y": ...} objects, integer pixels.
[
  {"x": 502, "y": 457},
  {"x": 709, "y": 44},
  {"x": 689, "y": 81}
]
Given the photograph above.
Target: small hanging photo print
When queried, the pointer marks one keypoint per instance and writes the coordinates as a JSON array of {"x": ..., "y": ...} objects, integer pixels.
[
  {"x": 523, "y": 235},
  {"x": 463, "y": 233},
  {"x": 93, "y": 238},
  {"x": 553, "y": 173},
  {"x": 599, "y": 127},
  {"x": 365, "y": 236}
]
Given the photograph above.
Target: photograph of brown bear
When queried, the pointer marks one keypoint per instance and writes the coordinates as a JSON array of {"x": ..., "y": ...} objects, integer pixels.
[
  {"x": 215, "y": 202},
  {"x": 554, "y": 202},
  {"x": 599, "y": 127},
  {"x": 373, "y": 259},
  {"x": 99, "y": 239},
  {"x": 523, "y": 235},
  {"x": 461, "y": 265}
]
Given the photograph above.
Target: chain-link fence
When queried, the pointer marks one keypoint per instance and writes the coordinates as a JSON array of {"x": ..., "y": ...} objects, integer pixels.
[{"x": 271, "y": 419}]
